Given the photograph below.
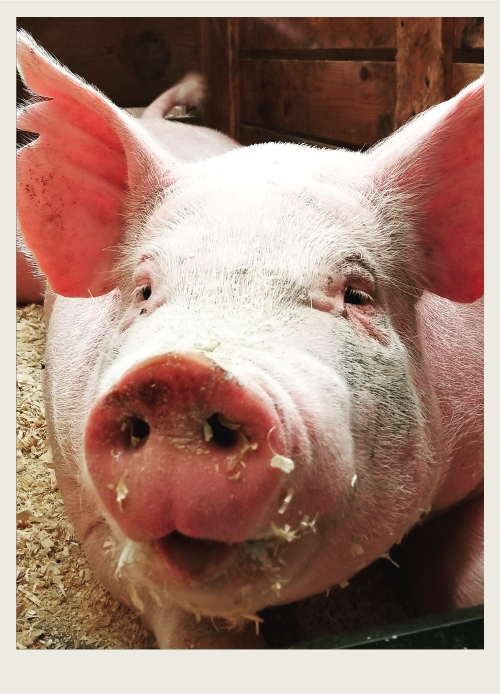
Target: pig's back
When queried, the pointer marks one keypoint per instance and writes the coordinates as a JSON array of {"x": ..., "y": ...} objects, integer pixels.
[{"x": 188, "y": 143}]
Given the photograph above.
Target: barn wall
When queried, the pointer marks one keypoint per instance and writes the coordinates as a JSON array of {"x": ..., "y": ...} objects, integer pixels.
[
  {"x": 130, "y": 59},
  {"x": 333, "y": 81},
  {"x": 328, "y": 81}
]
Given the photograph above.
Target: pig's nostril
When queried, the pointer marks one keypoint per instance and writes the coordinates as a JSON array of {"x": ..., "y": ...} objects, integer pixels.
[
  {"x": 224, "y": 432},
  {"x": 138, "y": 430}
]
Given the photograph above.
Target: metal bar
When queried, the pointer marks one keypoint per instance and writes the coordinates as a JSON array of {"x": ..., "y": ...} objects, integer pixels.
[{"x": 458, "y": 629}]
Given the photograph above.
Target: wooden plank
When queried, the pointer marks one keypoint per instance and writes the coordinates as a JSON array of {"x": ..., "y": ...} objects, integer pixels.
[
  {"x": 419, "y": 67},
  {"x": 250, "y": 135},
  {"x": 448, "y": 47},
  {"x": 352, "y": 102},
  {"x": 131, "y": 59},
  {"x": 463, "y": 74},
  {"x": 219, "y": 47},
  {"x": 285, "y": 33},
  {"x": 468, "y": 32}
]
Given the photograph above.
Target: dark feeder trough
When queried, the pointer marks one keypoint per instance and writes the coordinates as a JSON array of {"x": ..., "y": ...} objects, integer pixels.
[{"x": 463, "y": 629}]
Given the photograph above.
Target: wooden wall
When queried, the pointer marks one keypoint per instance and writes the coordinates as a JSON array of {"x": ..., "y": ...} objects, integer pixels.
[
  {"x": 467, "y": 52},
  {"x": 328, "y": 81},
  {"x": 333, "y": 81},
  {"x": 131, "y": 59}
]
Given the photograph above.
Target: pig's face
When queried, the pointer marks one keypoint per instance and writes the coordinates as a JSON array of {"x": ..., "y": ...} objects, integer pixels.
[
  {"x": 285, "y": 284},
  {"x": 244, "y": 404}
]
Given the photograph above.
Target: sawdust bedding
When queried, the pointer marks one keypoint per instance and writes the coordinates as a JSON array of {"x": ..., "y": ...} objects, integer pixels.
[{"x": 60, "y": 605}]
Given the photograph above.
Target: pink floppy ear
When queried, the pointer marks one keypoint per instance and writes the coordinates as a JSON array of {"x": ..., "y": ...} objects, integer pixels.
[
  {"x": 76, "y": 182},
  {"x": 438, "y": 158}
]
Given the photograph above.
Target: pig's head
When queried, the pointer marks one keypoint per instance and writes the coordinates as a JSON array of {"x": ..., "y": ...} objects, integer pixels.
[{"x": 255, "y": 420}]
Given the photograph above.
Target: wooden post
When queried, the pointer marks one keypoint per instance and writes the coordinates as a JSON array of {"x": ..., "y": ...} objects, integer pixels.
[
  {"x": 219, "y": 59},
  {"x": 447, "y": 41},
  {"x": 420, "y": 71}
]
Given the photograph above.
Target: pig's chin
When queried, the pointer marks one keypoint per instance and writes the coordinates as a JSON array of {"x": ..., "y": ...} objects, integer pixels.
[{"x": 217, "y": 579}]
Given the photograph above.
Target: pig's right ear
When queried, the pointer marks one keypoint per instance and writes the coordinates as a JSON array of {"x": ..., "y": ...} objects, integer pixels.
[
  {"x": 437, "y": 162},
  {"x": 91, "y": 166}
]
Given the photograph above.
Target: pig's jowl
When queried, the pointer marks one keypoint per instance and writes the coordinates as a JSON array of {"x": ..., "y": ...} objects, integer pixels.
[{"x": 264, "y": 364}]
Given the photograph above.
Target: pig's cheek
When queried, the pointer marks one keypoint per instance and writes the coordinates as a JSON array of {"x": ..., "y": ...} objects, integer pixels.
[
  {"x": 139, "y": 311},
  {"x": 314, "y": 411},
  {"x": 366, "y": 318},
  {"x": 361, "y": 316}
]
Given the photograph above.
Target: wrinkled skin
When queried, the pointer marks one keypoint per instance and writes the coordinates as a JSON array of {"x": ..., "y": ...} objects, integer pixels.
[{"x": 264, "y": 365}]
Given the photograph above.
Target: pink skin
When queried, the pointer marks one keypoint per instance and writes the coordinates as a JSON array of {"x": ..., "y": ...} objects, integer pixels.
[
  {"x": 169, "y": 490},
  {"x": 177, "y": 478},
  {"x": 452, "y": 235},
  {"x": 76, "y": 175}
]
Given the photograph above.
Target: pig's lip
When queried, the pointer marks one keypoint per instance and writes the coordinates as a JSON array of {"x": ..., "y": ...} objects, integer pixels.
[{"x": 192, "y": 560}]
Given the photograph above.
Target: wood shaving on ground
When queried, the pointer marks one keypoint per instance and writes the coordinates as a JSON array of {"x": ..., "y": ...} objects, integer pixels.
[{"x": 60, "y": 605}]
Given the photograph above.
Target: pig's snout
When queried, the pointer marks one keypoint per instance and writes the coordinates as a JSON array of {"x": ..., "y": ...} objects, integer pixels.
[{"x": 179, "y": 451}]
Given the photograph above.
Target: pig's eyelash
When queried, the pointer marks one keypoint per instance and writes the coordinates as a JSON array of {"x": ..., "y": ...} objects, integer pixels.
[{"x": 357, "y": 296}]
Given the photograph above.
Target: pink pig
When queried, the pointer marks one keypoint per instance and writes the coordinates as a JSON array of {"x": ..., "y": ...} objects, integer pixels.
[{"x": 264, "y": 364}]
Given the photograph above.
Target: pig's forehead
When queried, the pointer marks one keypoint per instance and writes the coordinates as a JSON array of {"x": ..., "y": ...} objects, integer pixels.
[
  {"x": 271, "y": 197},
  {"x": 271, "y": 175},
  {"x": 284, "y": 163}
]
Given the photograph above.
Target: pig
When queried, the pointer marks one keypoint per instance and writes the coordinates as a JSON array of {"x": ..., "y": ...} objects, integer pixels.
[{"x": 264, "y": 364}]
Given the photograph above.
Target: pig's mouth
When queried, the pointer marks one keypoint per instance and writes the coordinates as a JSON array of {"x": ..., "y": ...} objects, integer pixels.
[{"x": 191, "y": 559}]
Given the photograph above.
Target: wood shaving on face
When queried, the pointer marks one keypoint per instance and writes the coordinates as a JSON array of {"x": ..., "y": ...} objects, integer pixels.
[
  {"x": 60, "y": 605},
  {"x": 308, "y": 525},
  {"x": 208, "y": 435},
  {"x": 285, "y": 503},
  {"x": 254, "y": 618},
  {"x": 284, "y": 534},
  {"x": 356, "y": 549},
  {"x": 283, "y": 463},
  {"x": 241, "y": 459},
  {"x": 122, "y": 490},
  {"x": 386, "y": 555},
  {"x": 232, "y": 426}
]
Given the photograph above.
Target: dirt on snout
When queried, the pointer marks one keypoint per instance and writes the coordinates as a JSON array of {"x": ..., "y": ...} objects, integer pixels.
[{"x": 60, "y": 605}]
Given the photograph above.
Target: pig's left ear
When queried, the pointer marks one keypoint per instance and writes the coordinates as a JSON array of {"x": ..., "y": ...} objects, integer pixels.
[
  {"x": 438, "y": 160},
  {"x": 91, "y": 167}
]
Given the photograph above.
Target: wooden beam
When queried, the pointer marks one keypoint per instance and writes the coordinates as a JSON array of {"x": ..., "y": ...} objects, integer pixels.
[
  {"x": 219, "y": 57},
  {"x": 420, "y": 71}
]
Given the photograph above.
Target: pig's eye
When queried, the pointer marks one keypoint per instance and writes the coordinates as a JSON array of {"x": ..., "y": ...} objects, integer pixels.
[
  {"x": 146, "y": 292},
  {"x": 357, "y": 297}
]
